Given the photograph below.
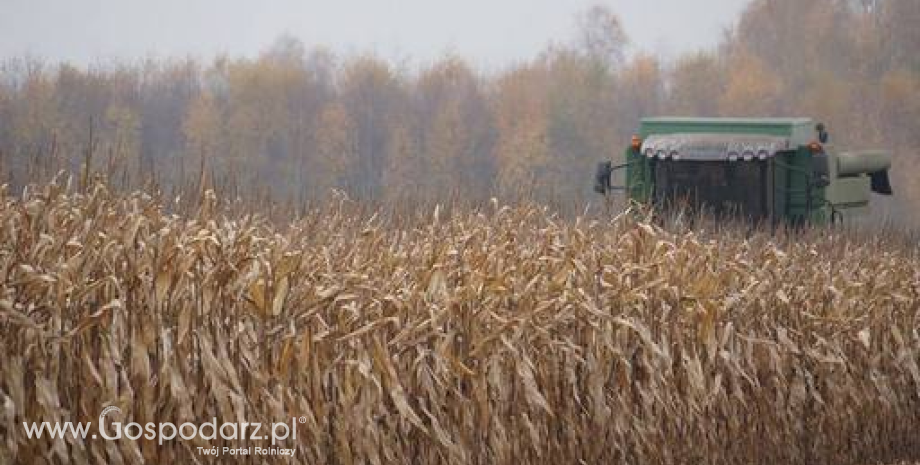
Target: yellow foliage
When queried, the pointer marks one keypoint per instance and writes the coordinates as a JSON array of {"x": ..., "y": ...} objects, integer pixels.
[{"x": 752, "y": 89}]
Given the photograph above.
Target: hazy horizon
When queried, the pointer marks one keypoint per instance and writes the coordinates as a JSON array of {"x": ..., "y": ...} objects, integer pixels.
[{"x": 490, "y": 35}]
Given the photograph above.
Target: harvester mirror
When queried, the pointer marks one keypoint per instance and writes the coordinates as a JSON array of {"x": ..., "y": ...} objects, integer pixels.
[
  {"x": 602, "y": 177},
  {"x": 823, "y": 136}
]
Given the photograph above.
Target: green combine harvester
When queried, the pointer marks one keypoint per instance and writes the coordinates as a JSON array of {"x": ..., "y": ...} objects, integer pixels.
[{"x": 777, "y": 170}]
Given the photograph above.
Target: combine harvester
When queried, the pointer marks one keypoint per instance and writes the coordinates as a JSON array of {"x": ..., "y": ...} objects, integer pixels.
[{"x": 778, "y": 170}]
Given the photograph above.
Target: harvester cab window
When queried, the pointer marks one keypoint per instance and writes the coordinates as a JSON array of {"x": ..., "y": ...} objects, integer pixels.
[{"x": 724, "y": 189}]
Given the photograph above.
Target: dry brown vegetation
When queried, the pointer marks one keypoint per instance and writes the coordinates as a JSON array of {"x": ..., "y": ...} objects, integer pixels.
[{"x": 503, "y": 335}]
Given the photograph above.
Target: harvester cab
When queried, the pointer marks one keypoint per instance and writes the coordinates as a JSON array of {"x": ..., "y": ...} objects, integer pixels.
[{"x": 778, "y": 170}]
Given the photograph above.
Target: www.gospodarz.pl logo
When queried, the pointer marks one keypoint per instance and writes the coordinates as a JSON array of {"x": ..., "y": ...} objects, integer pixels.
[
  {"x": 106, "y": 411},
  {"x": 162, "y": 432}
]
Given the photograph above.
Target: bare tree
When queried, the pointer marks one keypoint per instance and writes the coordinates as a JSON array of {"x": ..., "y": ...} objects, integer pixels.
[{"x": 601, "y": 36}]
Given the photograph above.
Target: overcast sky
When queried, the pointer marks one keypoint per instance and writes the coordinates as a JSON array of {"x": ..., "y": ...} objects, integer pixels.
[{"x": 488, "y": 32}]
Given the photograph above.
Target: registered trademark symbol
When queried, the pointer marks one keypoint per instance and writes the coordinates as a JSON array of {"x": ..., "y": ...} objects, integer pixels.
[{"x": 302, "y": 420}]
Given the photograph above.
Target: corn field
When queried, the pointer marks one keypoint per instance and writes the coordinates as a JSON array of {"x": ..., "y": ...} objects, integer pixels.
[{"x": 497, "y": 335}]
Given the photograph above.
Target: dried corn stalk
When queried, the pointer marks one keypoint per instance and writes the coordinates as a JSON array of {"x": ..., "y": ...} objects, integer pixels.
[{"x": 501, "y": 336}]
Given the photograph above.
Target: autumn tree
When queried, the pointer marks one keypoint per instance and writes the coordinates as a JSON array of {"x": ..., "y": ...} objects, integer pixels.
[
  {"x": 161, "y": 98},
  {"x": 900, "y": 20},
  {"x": 522, "y": 149},
  {"x": 336, "y": 149},
  {"x": 697, "y": 82},
  {"x": 752, "y": 89},
  {"x": 370, "y": 93},
  {"x": 601, "y": 36},
  {"x": 202, "y": 129},
  {"x": 641, "y": 90},
  {"x": 900, "y": 103},
  {"x": 454, "y": 128},
  {"x": 35, "y": 123},
  {"x": 793, "y": 38},
  {"x": 5, "y": 115},
  {"x": 406, "y": 170},
  {"x": 122, "y": 140},
  {"x": 583, "y": 116}
]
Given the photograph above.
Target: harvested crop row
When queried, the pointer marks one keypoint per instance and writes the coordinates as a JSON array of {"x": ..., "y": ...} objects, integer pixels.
[{"x": 501, "y": 336}]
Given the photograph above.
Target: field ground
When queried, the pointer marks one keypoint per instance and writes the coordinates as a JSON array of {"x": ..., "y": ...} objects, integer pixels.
[{"x": 504, "y": 335}]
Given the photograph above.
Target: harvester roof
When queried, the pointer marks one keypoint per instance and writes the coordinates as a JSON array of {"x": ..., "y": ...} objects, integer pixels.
[
  {"x": 723, "y": 139},
  {"x": 713, "y": 147},
  {"x": 798, "y": 131}
]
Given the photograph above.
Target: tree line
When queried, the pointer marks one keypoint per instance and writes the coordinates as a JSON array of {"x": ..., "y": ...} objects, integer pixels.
[{"x": 294, "y": 123}]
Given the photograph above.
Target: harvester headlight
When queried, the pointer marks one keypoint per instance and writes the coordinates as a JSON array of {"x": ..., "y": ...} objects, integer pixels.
[{"x": 748, "y": 153}]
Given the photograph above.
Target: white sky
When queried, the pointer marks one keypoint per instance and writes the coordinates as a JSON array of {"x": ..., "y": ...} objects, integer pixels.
[{"x": 489, "y": 33}]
